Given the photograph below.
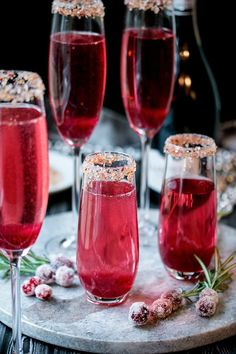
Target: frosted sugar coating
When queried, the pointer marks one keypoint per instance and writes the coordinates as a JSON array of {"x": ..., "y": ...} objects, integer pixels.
[
  {"x": 20, "y": 86},
  {"x": 109, "y": 166},
  {"x": 79, "y": 8},
  {"x": 190, "y": 145},
  {"x": 153, "y": 5}
]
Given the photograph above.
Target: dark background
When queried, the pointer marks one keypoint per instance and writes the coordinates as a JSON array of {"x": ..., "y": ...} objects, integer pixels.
[{"x": 25, "y": 28}]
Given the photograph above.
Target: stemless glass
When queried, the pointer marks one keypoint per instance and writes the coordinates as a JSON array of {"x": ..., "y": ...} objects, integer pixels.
[
  {"x": 147, "y": 79},
  {"x": 188, "y": 216},
  {"x": 23, "y": 175},
  {"x": 77, "y": 76},
  {"x": 108, "y": 249}
]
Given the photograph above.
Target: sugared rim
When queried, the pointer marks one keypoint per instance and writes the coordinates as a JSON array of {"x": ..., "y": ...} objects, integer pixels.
[
  {"x": 190, "y": 145},
  {"x": 109, "y": 166},
  {"x": 20, "y": 86},
  {"x": 153, "y": 5},
  {"x": 79, "y": 8}
]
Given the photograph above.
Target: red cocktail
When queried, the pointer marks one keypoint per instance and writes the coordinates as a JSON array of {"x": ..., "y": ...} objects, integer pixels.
[
  {"x": 77, "y": 79},
  {"x": 107, "y": 255},
  {"x": 77, "y": 71},
  {"x": 147, "y": 81},
  {"x": 187, "y": 224},
  {"x": 23, "y": 175}
]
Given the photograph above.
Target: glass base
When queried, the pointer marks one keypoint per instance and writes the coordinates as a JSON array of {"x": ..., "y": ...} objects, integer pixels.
[
  {"x": 63, "y": 244},
  {"x": 183, "y": 275},
  {"x": 104, "y": 301}
]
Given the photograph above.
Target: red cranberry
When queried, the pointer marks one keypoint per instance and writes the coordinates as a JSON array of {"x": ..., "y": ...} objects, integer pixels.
[
  {"x": 46, "y": 273},
  {"x": 29, "y": 285},
  {"x": 65, "y": 276},
  {"x": 60, "y": 261},
  {"x": 139, "y": 314},
  {"x": 43, "y": 292}
]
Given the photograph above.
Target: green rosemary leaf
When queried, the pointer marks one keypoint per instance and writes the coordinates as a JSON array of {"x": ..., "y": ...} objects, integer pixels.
[
  {"x": 217, "y": 261},
  {"x": 6, "y": 274},
  {"x": 228, "y": 269},
  {"x": 205, "y": 271},
  {"x": 28, "y": 266},
  {"x": 229, "y": 259}
]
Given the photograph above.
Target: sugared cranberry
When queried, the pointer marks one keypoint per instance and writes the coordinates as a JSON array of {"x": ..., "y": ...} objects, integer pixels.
[
  {"x": 29, "y": 285},
  {"x": 209, "y": 292},
  {"x": 60, "y": 261},
  {"x": 43, "y": 292},
  {"x": 46, "y": 273},
  {"x": 206, "y": 306},
  {"x": 139, "y": 314},
  {"x": 175, "y": 296},
  {"x": 161, "y": 308},
  {"x": 65, "y": 276}
]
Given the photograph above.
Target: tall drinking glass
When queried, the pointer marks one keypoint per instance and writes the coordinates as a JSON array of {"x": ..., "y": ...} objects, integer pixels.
[
  {"x": 187, "y": 225},
  {"x": 107, "y": 254},
  {"x": 23, "y": 175},
  {"x": 77, "y": 76},
  {"x": 147, "y": 79}
]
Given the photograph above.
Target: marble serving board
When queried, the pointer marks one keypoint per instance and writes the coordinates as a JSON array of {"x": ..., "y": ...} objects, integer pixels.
[{"x": 68, "y": 320}]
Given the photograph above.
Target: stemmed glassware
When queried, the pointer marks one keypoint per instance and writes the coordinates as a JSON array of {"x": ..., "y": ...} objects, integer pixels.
[
  {"x": 188, "y": 216},
  {"x": 108, "y": 252},
  {"x": 77, "y": 76},
  {"x": 23, "y": 175},
  {"x": 147, "y": 79}
]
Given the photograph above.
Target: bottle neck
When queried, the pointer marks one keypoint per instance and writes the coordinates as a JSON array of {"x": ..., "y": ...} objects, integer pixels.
[
  {"x": 184, "y": 26},
  {"x": 182, "y": 7}
]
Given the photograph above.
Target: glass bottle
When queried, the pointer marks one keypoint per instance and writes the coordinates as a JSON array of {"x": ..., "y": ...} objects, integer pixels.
[{"x": 196, "y": 103}]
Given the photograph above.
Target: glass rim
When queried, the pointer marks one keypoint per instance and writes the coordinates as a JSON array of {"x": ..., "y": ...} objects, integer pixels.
[
  {"x": 79, "y": 8},
  {"x": 190, "y": 145},
  {"x": 109, "y": 165},
  {"x": 154, "y": 5},
  {"x": 18, "y": 86}
]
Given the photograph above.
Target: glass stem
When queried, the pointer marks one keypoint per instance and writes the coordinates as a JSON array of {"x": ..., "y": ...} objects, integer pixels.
[
  {"x": 75, "y": 197},
  {"x": 76, "y": 188},
  {"x": 144, "y": 190},
  {"x": 16, "y": 302}
]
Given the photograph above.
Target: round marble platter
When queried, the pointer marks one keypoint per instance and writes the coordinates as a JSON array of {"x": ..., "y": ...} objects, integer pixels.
[{"x": 68, "y": 320}]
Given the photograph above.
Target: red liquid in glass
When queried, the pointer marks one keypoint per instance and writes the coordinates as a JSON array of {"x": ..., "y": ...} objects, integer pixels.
[
  {"x": 107, "y": 256},
  {"x": 147, "y": 77},
  {"x": 187, "y": 223},
  {"x": 23, "y": 175},
  {"x": 77, "y": 75}
]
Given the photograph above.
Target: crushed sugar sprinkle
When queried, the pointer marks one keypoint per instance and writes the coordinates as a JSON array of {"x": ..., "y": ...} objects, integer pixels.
[
  {"x": 20, "y": 86},
  {"x": 190, "y": 145},
  {"x": 79, "y": 8},
  {"x": 153, "y": 5},
  {"x": 106, "y": 166}
]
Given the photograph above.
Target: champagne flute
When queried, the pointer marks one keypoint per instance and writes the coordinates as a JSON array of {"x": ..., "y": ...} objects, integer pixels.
[
  {"x": 77, "y": 76},
  {"x": 147, "y": 79},
  {"x": 23, "y": 175},
  {"x": 108, "y": 252}
]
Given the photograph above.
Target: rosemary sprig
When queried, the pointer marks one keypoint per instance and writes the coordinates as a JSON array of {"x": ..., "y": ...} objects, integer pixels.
[
  {"x": 28, "y": 266},
  {"x": 217, "y": 278}
]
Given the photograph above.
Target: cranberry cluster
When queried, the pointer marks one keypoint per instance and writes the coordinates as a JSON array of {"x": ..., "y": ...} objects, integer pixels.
[
  {"x": 61, "y": 271},
  {"x": 141, "y": 314}
]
